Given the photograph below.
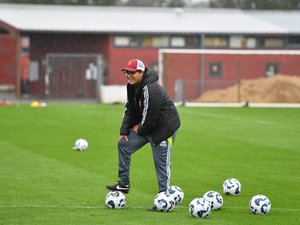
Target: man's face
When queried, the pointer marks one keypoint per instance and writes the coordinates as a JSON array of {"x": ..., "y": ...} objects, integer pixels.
[{"x": 134, "y": 77}]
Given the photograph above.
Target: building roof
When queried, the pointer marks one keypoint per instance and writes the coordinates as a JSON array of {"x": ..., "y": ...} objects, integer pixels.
[{"x": 58, "y": 18}]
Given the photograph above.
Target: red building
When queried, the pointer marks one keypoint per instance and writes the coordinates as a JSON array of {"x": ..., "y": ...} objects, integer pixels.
[
  {"x": 69, "y": 51},
  {"x": 202, "y": 70},
  {"x": 8, "y": 57}
]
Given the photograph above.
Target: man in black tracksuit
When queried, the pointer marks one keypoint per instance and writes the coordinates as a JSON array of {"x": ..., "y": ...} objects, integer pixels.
[{"x": 150, "y": 117}]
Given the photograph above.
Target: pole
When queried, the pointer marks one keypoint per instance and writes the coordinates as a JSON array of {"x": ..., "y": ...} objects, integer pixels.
[
  {"x": 238, "y": 80},
  {"x": 18, "y": 65}
]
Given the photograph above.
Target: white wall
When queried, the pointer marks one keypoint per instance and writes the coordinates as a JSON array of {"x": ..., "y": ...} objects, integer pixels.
[{"x": 113, "y": 94}]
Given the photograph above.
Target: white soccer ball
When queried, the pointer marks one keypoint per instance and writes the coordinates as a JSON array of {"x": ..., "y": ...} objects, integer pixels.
[
  {"x": 232, "y": 186},
  {"x": 200, "y": 208},
  {"x": 115, "y": 200},
  {"x": 260, "y": 204},
  {"x": 164, "y": 202},
  {"x": 215, "y": 199},
  {"x": 177, "y": 194},
  {"x": 81, "y": 145}
]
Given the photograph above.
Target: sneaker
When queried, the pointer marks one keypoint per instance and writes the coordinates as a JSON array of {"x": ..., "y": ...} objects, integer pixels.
[
  {"x": 119, "y": 187},
  {"x": 153, "y": 208}
]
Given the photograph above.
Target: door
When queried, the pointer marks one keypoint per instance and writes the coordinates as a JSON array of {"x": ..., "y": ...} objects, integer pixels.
[{"x": 73, "y": 75}]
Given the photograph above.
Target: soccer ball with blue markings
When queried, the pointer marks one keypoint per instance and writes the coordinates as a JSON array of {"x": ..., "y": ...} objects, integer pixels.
[
  {"x": 232, "y": 186},
  {"x": 164, "y": 202},
  {"x": 260, "y": 204},
  {"x": 215, "y": 199},
  {"x": 81, "y": 145},
  {"x": 115, "y": 200},
  {"x": 177, "y": 193},
  {"x": 200, "y": 208}
]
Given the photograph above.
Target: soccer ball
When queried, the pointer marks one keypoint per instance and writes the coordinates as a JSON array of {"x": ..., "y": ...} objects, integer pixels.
[
  {"x": 164, "y": 202},
  {"x": 260, "y": 204},
  {"x": 177, "y": 194},
  {"x": 115, "y": 200},
  {"x": 232, "y": 186},
  {"x": 200, "y": 208},
  {"x": 215, "y": 199},
  {"x": 81, "y": 145}
]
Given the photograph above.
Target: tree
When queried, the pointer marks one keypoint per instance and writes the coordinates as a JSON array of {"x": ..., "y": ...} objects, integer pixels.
[
  {"x": 65, "y": 2},
  {"x": 150, "y": 3},
  {"x": 256, "y": 4},
  {"x": 176, "y": 3},
  {"x": 156, "y": 3},
  {"x": 240, "y": 4},
  {"x": 143, "y": 3},
  {"x": 276, "y": 4}
]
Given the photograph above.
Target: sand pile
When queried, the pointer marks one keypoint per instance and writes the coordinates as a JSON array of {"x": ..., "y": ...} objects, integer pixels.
[{"x": 277, "y": 89}]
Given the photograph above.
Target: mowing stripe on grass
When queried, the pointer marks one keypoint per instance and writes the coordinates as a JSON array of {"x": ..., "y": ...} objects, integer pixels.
[
  {"x": 132, "y": 207},
  {"x": 235, "y": 118}
]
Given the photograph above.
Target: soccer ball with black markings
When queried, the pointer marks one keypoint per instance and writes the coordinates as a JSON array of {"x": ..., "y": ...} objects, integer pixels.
[
  {"x": 164, "y": 202},
  {"x": 115, "y": 200},
  {"x": 200, "y": 208},
  {"x": 260, "y": 204},
  {"x": 232, "y": 186},
  {"x": 215, "y": 199},
  {"x": 177, "y": 193}
]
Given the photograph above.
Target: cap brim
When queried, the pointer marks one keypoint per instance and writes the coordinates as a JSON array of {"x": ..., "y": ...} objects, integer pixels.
[{"x": 128, "y": 69}]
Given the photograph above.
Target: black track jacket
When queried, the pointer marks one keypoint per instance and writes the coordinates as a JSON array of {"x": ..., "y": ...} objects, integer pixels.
[{"x": 149, "y": 105}]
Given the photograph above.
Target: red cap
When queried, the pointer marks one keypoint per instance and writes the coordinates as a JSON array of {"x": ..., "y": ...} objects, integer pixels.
[{"x": 134, "y": 65}]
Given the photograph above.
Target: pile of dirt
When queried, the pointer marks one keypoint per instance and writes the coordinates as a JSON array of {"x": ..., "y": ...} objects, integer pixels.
[{"x": 276, "y": 89}]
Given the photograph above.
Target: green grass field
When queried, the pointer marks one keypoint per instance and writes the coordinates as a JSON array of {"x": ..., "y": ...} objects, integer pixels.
[{"x": 43, "y": 181}]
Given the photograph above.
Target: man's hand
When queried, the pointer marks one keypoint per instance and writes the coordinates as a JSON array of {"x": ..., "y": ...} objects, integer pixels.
[
  {"x": 135, "y": 128},
  {"x": 123, "y": 137}
]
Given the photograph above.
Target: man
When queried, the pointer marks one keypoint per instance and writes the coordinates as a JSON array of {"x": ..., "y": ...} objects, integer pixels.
[{"x": 150, "y": 117}]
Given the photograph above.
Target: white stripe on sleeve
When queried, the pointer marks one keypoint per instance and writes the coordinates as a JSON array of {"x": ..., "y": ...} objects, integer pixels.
[{"x": 146, "y": 104}]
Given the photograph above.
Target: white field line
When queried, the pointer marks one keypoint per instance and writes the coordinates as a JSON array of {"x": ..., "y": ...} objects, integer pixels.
[
  {"x": 202, "y": 104},
  {"x": 241, "y": 104},
  {"x": 131, "y": 207}
]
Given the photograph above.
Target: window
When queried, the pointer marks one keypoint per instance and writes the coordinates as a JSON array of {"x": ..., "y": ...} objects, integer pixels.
[
  {"x": 214, "y": 41},
  {"x": 251, "y": 42},
  {"x": 242, "y": 42},
  {"x": 215, "y": 69},
  {"x": 177, "y": 42},
  {"x": 271, "y": 69},
  {"x": 126, "y": 41},
  {"x": 271, "y": 42},
  {"x": 235, "y": 42},
  {"x": 192, "y": 42},
  {"x": 293, "y": 41},
  {"x": 25, "y": 42},
  {"x": 33, "y": 71},
  {"x": 155, "y": 41},
  {"x": 3, "y": 31},
  {"x": 184, "y": 42},
  {"x": 161, "y": 41}
]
